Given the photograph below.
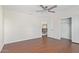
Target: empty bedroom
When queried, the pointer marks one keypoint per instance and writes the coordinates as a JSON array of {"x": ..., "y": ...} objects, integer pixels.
[{"x": 39, "y": 28}]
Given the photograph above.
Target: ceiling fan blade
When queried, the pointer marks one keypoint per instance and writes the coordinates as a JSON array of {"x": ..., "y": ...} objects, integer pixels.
[
  {"x": 52, "y": 11},
  {"x": 42, "y": 7},
  {"x": 52, "y": 7}
]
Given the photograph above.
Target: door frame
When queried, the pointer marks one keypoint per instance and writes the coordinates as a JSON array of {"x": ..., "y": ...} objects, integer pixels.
[{"x": 70, "y": 21}]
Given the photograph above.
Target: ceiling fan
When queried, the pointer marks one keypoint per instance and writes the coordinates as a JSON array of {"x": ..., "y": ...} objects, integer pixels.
[{"x": 47, "y": 9}]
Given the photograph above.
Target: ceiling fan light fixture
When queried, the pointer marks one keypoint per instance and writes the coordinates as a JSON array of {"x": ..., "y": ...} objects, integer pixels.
[{"x": 47, "y": 9}]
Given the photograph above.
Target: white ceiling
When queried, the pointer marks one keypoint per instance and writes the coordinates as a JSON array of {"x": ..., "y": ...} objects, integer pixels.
[{"x": 32, "y": 8}]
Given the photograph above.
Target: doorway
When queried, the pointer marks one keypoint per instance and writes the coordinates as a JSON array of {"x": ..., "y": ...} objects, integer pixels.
[{"x": 66, "y": 28}]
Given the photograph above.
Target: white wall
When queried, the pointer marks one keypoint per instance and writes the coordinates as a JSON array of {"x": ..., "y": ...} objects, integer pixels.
[
  {"x": 75, "y": 29},
  {"x": 22, "y": 26},
  {"x": 54, "y": 26},
  {"x": 1, "y": 28}
]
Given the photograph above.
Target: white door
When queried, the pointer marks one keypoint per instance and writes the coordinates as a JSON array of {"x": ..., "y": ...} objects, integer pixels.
[{"x": 66, "y": 28}]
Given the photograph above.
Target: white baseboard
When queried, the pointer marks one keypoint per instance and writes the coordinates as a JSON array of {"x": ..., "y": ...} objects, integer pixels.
[
  {"x": 21, "y": 40},
  {"x": 55, "y": 37},
  {"x": 29, "y": 39},
  {"x": 1, "y": 47}
]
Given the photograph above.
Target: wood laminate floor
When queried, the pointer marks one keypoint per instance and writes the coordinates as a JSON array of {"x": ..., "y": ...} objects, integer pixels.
[{"x": 48, "y": 45}]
